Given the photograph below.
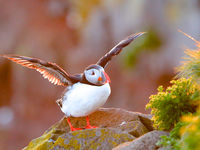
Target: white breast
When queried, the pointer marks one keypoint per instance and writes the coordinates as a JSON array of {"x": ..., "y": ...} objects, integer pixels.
[{"x": 83, "y": 99}]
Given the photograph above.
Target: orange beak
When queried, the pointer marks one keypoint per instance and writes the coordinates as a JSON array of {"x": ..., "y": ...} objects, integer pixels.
[
  {"x": 107, "y": 77},
  {"x": 100, "y": 79}
]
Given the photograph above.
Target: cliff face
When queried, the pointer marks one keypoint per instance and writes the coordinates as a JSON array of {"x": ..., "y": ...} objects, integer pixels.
[{"x": 116, "y": 126}]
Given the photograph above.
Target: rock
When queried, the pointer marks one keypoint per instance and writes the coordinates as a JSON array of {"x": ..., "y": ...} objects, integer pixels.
[
  {"x": 85, "y": 139},
  {"x": 145, "y": 142},
  {"x": 116, "y": 126},
  {"x": 112, "y": 117},
  {"x": 135, "y": 128},
  {"x": 146, "y": 120}
]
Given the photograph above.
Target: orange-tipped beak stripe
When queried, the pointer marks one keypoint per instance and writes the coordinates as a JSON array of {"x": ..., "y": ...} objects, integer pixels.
[{"x": 107, "y": 77}]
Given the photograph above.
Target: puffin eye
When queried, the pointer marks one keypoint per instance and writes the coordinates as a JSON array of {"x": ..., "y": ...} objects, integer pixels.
[{"x": 93, "y": 73}]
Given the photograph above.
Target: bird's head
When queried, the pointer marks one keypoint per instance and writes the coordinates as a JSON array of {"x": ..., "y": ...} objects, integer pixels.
[{"x": 96, "y": 75}]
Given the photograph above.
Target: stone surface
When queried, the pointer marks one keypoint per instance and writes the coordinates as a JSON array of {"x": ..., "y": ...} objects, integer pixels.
[
  {"x": 145, "y": 142},
  {"x": 146, "y": 120},
  {"x": 100, "y": 138},
  {"x": 116, "y": 126},
  {"x": 135, "y": 128}
]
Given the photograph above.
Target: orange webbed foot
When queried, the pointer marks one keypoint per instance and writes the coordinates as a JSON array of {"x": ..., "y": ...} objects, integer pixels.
[
  {"x": 75, "y": 129},
  {"x": 88, "y": 126},
  {"x": 71, "y": 127}
]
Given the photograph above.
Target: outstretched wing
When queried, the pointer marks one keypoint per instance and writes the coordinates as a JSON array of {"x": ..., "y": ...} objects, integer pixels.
[
  {"x": 50, "y": 71},
  {"x": 103, "y": 61}
]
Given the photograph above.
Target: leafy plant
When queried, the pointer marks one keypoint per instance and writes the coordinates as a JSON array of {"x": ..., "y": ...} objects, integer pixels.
[
  {"x": 172, "y": 142},
  {"x": 168, "y": 106},
  {"x": 169, "y": 143},
  {"x": 176, "y": 108},
  {"x": 185, "y": 135},
  {"x": 190, "y": 134}
]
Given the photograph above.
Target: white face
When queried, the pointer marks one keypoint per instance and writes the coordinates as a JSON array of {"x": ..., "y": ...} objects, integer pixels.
[{"x": 95, "y": 76}]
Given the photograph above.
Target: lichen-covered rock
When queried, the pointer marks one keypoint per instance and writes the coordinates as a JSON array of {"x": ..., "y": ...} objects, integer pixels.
[
  {"x": 145, "y": 142},
  {"x": 92, "y": 139},
  {"x": 116, "y": 126},
  {"x": 85, "y": 139}
]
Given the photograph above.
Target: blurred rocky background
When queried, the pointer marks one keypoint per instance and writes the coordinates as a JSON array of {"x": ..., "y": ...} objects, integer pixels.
[{"x": 76, "y": 33}]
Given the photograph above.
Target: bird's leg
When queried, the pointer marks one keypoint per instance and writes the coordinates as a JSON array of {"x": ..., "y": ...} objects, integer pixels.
[
  {"x": 88, "y": 126},
  {"x": 71, "y": 127}
]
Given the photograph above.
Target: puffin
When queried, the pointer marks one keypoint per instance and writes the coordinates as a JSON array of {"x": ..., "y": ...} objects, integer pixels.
[{"x": 84, "y": 92}]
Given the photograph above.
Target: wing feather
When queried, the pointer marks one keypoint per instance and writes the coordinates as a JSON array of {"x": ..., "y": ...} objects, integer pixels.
[
  {"x": 50, "y": 71},
  {"x": 103, "y": 61}
]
